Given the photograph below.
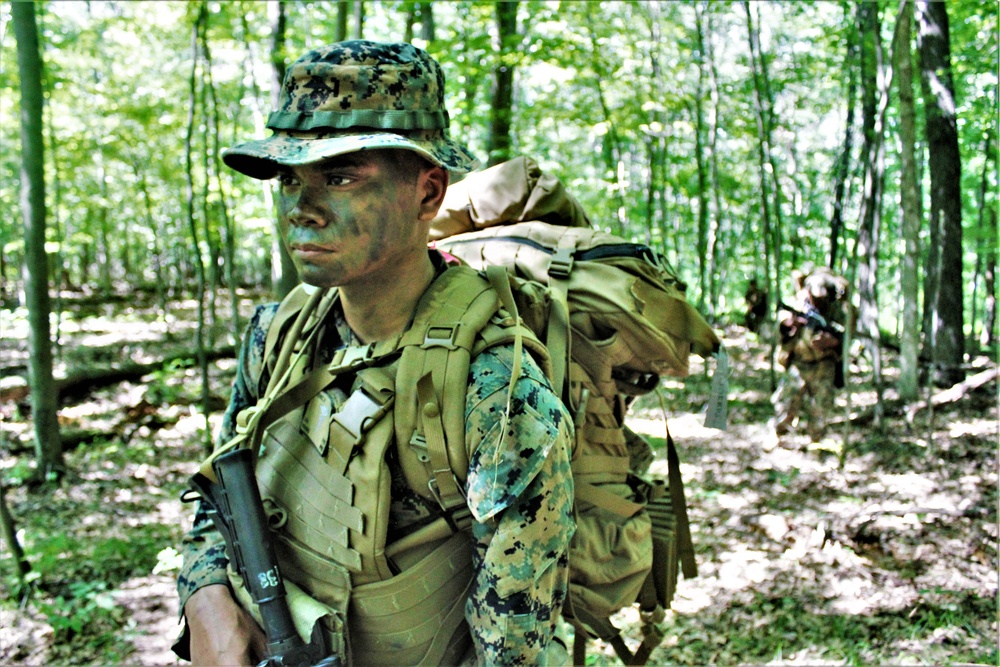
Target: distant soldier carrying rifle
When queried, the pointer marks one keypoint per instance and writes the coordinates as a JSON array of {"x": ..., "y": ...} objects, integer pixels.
[
  {"x": 756, "y": 299},
  {"x": 811, "y": 330},
  {"x": 470, "y": 568}
]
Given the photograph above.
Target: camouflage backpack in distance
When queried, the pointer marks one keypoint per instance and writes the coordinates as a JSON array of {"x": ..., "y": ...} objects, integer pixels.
[{"x": 614, "y": 319}]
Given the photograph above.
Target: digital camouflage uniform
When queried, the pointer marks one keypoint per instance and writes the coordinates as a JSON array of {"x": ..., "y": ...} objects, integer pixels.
[
  {"x": 522, "y": 497},
  {"x": 810, "y": 356},
  {"x": 363, "y": 95}
]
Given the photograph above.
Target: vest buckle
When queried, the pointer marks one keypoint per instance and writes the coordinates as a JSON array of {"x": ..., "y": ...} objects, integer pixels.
[
  {"x": 441, "y": 336},
  {"x": 360, "y": 412}
]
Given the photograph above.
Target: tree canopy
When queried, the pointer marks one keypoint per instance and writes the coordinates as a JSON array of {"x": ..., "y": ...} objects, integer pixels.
[{"x": 652, "y": 113}]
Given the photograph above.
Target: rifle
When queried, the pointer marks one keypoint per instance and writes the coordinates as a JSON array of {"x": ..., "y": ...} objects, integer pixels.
[
  {"x": 235, "y": 507},
  {"x": 814, "y": 319}
]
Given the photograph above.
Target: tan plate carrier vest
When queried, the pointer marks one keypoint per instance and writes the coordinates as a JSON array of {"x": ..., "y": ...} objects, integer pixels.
[{"x": 325, "y": 482}]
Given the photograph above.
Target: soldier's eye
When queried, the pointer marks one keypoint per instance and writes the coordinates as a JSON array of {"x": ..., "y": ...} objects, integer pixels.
[
  {"x": 337, "y": 179},
  {"x": 286, "y": 180}
]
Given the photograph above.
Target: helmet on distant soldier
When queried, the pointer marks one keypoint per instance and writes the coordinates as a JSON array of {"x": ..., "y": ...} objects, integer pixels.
[{"x": 822, "y": 286}]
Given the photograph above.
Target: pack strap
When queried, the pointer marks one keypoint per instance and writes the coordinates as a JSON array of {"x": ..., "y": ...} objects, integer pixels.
[
  {"x": 590, "y": 464},
  {"x": 310, "y": 310},
  {"x": 606, "y": 500},
  {"x": 500, "y": 280},
  {"x": 442, "y": 482},
  {"x": 557, "y": 336},
  {"x": 685, "y": 545}
]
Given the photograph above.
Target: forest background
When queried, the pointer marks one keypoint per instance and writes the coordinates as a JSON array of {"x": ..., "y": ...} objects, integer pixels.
[{"x": 740, "y": 139}]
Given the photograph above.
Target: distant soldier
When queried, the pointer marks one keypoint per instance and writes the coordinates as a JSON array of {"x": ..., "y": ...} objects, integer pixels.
[
  {"x": 756, "y": 299},
  {"x": 811, "y": 327}
]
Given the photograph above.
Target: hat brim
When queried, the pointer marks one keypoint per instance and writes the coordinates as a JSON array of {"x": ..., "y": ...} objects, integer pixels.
[{"x": 262, "y": 158}]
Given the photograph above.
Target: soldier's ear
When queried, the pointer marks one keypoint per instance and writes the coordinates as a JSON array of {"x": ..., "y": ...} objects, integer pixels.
[{"x": 432, "y": 185}]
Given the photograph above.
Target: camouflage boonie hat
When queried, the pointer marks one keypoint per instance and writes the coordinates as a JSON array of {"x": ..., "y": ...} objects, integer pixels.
[{"x": 353, "y": 96}]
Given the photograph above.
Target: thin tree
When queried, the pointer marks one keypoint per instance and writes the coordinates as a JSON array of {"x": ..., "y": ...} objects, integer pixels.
[
  {"x": 943, "y": 299},
  {"x": 613, "y": 151},
  {"x": 427, "y": 25},
  {"x": 910, "y": 208},
  {"x": 192, "y": 224},
  {"x": 159, "y": 233},
  {"x": 717, "y": 269},
  {"x": 875, "y": 78},
  {"x": 9, "y": 531},
  {"x": 502, "y": 107},
  {"x": 764, "y": 105},
  {"x": 843, "y": 167},
  {"x": 228, "y": 227},
  {"x": 986, "y": 259},
  {"x": 340, "y": 26},
  {"x": 770, "y": 251},
  {"x": 702, "y": 245},
  {"x": 422, "y": 13},
  {"x": 655, "y": 137},
  {"x": 284, "y": 275},
  {"x": 359, "y": 19},
  {"x": 44, "y": 404}
]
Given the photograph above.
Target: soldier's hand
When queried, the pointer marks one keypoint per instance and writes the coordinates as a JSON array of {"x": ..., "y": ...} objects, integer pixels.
[{"x": 222, "y": 632}]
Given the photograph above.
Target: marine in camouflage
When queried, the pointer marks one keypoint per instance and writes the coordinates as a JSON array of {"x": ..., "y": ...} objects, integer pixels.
[
  {"x": 807, "y": 390},
  {"x": 519, "y": 487},
  {"x": 351, "y": 96}
]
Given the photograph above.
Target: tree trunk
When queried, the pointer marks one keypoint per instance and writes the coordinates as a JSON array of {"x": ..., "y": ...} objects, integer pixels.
[
  {"x": 910, "y": 208},
  {"x": 61, "y": 277},
  {"x": 502, "y": 107},
  {"x": 986, "y": 260},
  {"x": 228, "y": 228},
  {"x": 769, "y": 251},
  {"x": 944, "y": 337},
  {"x": 359, "y": 19},
  {"x": 158, "y": 235},
  {"x": 765, "y": 105},
  {"x": 613, "y": 153},
  {"x": 875, "y": 79},
  {"x": 427, "y": 28},
  {"x": 653, "y": 137},
  {"x": 192, "y": 224},
  {"x": 716, "y": 276},
  {"x": 44, "y": 406},
  {"x": 9, "y": 528},
  {"x": 284, "y": 275},
  {"x": 702, "y": 244},
  {"x": 844, "y": 159},
  {"x": 340, "y": 27},
  {"x": 988, "y": 337}
]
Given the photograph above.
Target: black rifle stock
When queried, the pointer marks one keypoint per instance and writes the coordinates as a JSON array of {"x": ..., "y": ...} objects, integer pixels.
[{"x": 236, "y": 508}]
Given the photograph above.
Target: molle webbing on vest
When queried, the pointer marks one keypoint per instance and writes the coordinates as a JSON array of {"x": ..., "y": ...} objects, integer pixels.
[
  {"x": 412, "y": 626},
  {"x": 312, "y": 494}
]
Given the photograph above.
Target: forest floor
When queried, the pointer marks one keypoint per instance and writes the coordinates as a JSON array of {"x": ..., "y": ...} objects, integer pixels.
[{"x": 875, "y": 546}]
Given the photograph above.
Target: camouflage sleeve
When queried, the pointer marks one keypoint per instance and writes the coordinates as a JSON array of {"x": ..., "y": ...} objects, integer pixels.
[
  {"x": 521, "y": 494},
  {"x": 203, "y": 548}
]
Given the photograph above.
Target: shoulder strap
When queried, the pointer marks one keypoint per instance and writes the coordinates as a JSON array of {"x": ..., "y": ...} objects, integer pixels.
[{"x": 463, "y": 309}]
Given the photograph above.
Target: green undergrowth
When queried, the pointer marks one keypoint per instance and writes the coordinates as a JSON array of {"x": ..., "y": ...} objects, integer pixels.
[
  {"x": 84, "y": 539},
  {"x": 947, "y": 627}
]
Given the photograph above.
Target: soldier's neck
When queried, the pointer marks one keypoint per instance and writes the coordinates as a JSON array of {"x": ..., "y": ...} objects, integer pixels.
[{"x": 381, "y": 309}]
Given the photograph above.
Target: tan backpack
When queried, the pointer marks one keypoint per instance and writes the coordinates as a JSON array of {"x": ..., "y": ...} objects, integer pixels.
[{"x": 614, "y": 319}]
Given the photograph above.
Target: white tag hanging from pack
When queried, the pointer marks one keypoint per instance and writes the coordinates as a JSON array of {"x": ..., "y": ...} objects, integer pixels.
[{"x": 717, "y": 414}]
